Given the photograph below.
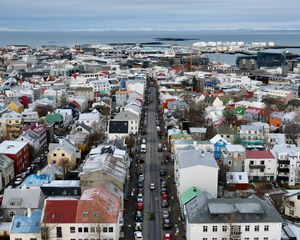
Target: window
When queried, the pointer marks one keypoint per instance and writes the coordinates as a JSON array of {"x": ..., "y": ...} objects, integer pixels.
[
  {"x": 110, "y": 229},
  {"x": 104, "y": 229},
  {"x": 266, "y": 238},
  {"x": 214, "y": 239},
  {"x": 72, "y": 229},
  {"x": 204, "y": 228},
  {"x": 224, "y": 228},
  {"x": 204, "y": 238},
  {"x": 80, "y": 229},
  {"x": 33, "y": 239},
  {"x": 251, "y": 162},
  {"x": 54, "y": 154},
  {"x": 256, "y": 228},
  {"x": 215, "y": 228},
  {"x": 291, "y": 212},
  {"x": 246, "y": 238},
  {"x": 229, "y": 163},
  {"x": 292, "y": 204},
  {"x": 256, "y": 238},
  {"x": 262, "y": 162},
  {"x": 62, "y": 154},
  {"x": 92, "y": 229},
  {"x": 247, "y": 228},
  {"x": 21, "y": 239},
  {"x": 266, "y": 228},
  {"x": 85, "y": 214},
  {"x": 58, "y": 232},
  {"x": 224, "y": 238},
  {"x": 86, "y": 229}
]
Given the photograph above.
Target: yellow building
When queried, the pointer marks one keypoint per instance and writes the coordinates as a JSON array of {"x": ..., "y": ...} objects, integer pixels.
[
  {"x": 63, "y": 154},
  {"x": 15, "y": 106},
  {"x": 11, "y": 125}
]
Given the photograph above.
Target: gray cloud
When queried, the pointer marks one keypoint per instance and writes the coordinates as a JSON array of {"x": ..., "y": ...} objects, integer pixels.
[{"x": 154, "y": 14}]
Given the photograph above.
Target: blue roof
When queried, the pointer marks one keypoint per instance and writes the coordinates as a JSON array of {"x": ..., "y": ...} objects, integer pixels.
[
  {"x": 37, "y": 179},
  {"x": 23, "y": 224}
]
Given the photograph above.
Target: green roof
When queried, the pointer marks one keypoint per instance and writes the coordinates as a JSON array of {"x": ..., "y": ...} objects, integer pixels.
[
  {"x": 225, "y": 100},
  {"x": 189, "y": 194},
  {"x": 240, "y": 110},
  {"x": 56, "y": 117}
]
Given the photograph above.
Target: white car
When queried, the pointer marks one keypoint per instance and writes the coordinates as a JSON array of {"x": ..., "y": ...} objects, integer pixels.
[
  {"x": 138, "y": 235},
  {"x": 152, "y": 186},
  {"x": 138, "y": 226},
  {"x": 140, "y": 198}
]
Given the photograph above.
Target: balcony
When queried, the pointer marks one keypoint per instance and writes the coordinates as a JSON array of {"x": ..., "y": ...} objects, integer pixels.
[
  {"x": 283, "y": 162},
  {"x": 283, "y": 170},
  {"x": 257, "y": 166}
]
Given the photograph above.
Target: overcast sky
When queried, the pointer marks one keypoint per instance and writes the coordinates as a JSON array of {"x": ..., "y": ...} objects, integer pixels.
[{"x": 64, "y": 15}]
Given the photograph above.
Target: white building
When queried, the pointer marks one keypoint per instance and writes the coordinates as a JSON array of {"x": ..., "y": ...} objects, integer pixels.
[
  {"x": 288, "y": 159},
  {"x": 133, "y": 120},
  {"x": 291, "y": 204},
  {"x": 216, "y": 219},
  {"x": 195, "y": 168},
  {"x": 260, "y": 165},
  {"x": 92, "y": 119}
]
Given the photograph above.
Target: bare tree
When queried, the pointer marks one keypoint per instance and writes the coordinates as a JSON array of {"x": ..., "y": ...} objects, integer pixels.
[
  {"x": 95, "y": 138},
  {"x": 196, "y": 114},
  {"x": 65, "y": 165},
  {"x": 130, "y": 141},
  {"x": 292, "y": 130},
  {"x": 223, "y": 169},
  {"x": 43, "y": 110}
]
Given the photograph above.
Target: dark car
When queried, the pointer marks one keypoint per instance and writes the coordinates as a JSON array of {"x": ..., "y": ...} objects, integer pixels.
[
  {"x": 138, "y": 216},
  {"x": 163, "y": 183},
  {"x": 167, "y": 224},
  {"x": 162, "y": 172},
  {"x": 140, "y": 184},
  {"x": 164, "y": 203},
  {"x": 164, "y": 190}
]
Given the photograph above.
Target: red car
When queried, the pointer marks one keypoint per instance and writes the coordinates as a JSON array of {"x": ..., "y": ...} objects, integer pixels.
[
  {"x": 140, "y": 206},
  {"x": 164, "y": 197},
  {"x": 167, "y": 236}
]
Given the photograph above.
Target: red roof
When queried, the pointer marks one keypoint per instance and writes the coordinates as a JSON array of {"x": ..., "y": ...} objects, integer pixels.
[
  {"x": 259, "y": 154},
  {"x": 60, "y": 211}
]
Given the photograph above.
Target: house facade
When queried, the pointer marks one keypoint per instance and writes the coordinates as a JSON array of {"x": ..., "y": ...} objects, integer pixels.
[{"x": 261, "y": 165}]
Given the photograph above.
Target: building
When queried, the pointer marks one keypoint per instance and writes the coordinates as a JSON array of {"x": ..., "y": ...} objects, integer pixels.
[
  {"x": 62, "y": 188},
  {"x": 132, "y": 118},
  {"x": 17, "y": 201},
  {"x": 219, "y": 143},
  {"x": 282, "y": 96},
  {"x": 233, "y": 156},
  {"x": 237, "y": 180},
  {"x": 11, "y": 125},
  {"x": 15, "y": 106},
  {"x": 26, "y": 227},
  {"x": 118, "y": 129},
  {"x": 191, "y": 164},
  {"x": 30, "y": 116},
  {"x": 18, "y": 151},
  {"x": 251, "y": 135},
  {"x": 96, "y": 214},
  {"x": 92, "y": 119},
  {"x": 260, "y": 165},
  {"x": 288, "y": 163},
  {"x": 291, "y": 203},
  {"x": 63, "y": 154},
  {"x": 249, "y": 218},
  {"x": 270, "y": 59},
  {"x": 6, "y": 170},
  {"x": 100, "y": 169}
]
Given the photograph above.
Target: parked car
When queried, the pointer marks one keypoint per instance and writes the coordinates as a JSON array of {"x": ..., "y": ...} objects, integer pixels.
[
  {"x": 152, "y": 186},
  {"x": 138, "y": 235},
  {"x": 164, "y": 190},
  {"x": 159, "y": 147},
  {"x": 140, "y": 198},
  {"x": 167, "y": 236},
  {"x": 140, "y": 191},
  {"x": 140, "y": 206},
  {"x": 165, "y": 214},
  {"x": 18, "y": 181},
  {"x": 164, "y": 196},
  {"x": 138, "y": 216},
  {"x": 163, "y": 183},
  {"x": 138, "y": 226},
  {"x": 164, "y": 203},
  {"x": 162, "y": 172},
  {"x": 167, "y": 224},
  {"x": 140, "y": 184}
]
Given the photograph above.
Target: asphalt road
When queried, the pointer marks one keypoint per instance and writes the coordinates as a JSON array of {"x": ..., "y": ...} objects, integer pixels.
[{"x": 152, "y": 229}]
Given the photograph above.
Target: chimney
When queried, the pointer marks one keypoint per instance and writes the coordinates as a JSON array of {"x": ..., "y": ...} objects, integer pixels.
[{"x": 29, "y": 212}]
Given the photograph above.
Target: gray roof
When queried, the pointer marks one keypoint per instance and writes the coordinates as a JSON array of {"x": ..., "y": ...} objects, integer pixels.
[
  {"x": 204, "y": 209},
  {"x": 192, "y": 158},
  {"x": 251, "y": 127},
  {"x": 27, "y": 197}
]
